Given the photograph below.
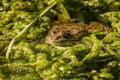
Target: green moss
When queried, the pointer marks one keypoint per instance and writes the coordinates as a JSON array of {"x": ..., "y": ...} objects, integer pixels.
[{"x": 31, "y": 59}]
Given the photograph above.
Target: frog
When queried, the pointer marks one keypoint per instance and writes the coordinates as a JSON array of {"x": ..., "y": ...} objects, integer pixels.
[{"x": 70, "y": 32}]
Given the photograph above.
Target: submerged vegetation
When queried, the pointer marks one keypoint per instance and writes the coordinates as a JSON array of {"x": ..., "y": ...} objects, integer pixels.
[{"x": 25, "y": 56}]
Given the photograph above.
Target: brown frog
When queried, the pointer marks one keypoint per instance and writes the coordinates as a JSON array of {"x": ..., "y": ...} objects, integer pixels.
[{"x": 71, "y": 32}]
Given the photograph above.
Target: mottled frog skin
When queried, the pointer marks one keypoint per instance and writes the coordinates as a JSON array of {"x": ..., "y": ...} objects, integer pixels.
[{"x": 71, "y": 32}]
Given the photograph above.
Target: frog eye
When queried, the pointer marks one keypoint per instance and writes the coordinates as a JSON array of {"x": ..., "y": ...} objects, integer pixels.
[
  {"x": 67, "y": 35},
  {"x": 54, "y": 32}
]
